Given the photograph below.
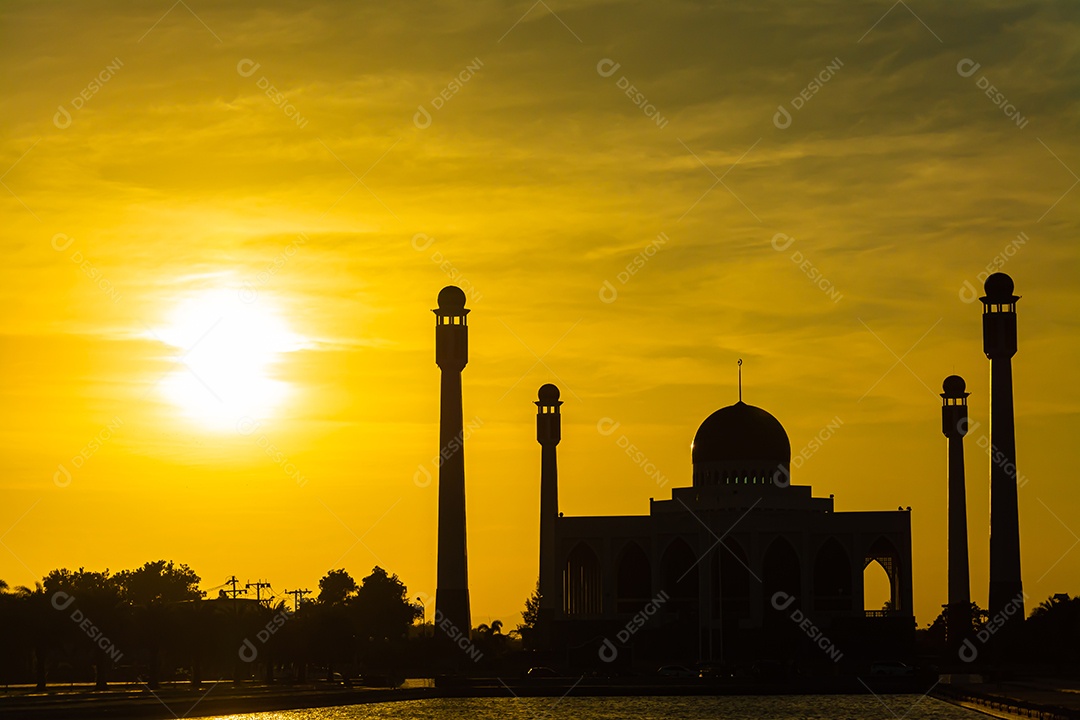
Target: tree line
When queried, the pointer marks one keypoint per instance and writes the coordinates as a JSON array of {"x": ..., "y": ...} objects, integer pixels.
[{"x": 153, "y": 624}]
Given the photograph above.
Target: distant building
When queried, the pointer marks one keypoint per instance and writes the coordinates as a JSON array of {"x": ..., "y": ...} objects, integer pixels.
[{"x": 742, "y": 566}]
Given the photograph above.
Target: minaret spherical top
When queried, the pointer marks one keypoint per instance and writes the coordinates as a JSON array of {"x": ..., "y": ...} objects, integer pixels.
[
  {"x": 954, "y": 386},
  {"x": 451, "y": 299},
  {"x": 999, "y": 285},
  {"x": 548, "y": 394}
]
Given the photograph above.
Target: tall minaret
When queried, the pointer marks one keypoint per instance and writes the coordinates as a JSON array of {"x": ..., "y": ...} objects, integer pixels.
[
  {"x": 999, "y": 344},
  {"x": 548, "y": 434},
  {"x": 954, "y": 424},
  {"x": 451, "y": 355}
]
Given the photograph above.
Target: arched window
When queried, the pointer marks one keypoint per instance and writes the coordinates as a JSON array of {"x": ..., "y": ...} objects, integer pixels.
[
  {"x": 885, "y": 554},
  {"x": 832, "y": 577},
  {"x": 582, "y": 582},
  {"x": 781, "y": 578},
  {"x": 679, "y": 573},
  {"x": 633, "y": 583},
  {"x": 731, "y": 582}
]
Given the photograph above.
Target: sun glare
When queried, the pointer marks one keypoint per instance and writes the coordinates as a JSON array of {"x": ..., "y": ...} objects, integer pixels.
[{"x": 226, "y": 352}]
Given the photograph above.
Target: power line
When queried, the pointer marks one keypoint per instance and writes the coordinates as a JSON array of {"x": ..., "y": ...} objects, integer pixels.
[
  {"x": 298, "y": 597},
  {"x": 258, "y": 585},
  {"x": 235, "y": 591}
]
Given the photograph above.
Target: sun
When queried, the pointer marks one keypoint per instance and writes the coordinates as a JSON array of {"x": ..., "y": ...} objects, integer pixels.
[{"x": 227, "y": 346}]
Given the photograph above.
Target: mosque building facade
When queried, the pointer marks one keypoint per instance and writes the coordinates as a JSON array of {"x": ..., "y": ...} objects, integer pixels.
[{"x": 742, "y": 565}]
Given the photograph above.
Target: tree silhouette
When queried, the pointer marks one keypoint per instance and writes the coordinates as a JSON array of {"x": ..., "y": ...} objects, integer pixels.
[
  {"x": 154, "y": 591},
  {"x": 530, "y": 617},
  {"x": 97, "y": 599},
  {"x": 333, "y": 631},
  {"x": 336, "y": 587}
]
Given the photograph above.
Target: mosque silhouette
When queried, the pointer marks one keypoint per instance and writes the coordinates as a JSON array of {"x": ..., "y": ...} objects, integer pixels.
[{"x": 742, "y": 566}]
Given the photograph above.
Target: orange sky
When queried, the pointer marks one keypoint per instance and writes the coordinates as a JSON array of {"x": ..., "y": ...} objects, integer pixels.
[{"x": 286, "y": 187}]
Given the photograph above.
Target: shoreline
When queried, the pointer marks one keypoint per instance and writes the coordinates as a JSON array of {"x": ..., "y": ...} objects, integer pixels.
[
  {"x": 1039, "y": 699},
  {"x": 138, "y": 703}
]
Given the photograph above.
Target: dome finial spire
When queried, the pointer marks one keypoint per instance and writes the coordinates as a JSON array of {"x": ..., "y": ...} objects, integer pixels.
[{"x": 740, "y": 379}]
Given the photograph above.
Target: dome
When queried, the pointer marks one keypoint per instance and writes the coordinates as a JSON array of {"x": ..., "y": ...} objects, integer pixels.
[
  {"x": 452, "y": 299},
  {"x": 739, "y": 441},
  {"x": 954, "y": 386},
  {"x": 998, "y": 285},
  {"x": 548, "y": 394}
]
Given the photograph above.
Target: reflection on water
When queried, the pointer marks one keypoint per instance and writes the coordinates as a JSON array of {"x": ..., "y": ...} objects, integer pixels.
[{"x": 804, "y": 707}]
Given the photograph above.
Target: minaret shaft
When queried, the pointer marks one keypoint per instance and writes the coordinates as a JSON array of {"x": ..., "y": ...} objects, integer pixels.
[
  {"x": 954, "y": 425},
  {"x": 452, "y": 355},
  {"x": 1005, "y": 581},
  {"x": 548, "y": 434},
  {"x": 959, "y": 573},
  {"x": 549, "y": 512},
  {"x": 999, "y": 344}
]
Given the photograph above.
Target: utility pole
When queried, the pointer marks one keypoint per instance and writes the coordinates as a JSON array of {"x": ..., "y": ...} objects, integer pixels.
[
  {"x": 258, "y": 585},
  {"x": 235, "y": 591},
  {"x": 298, "y": 597}
]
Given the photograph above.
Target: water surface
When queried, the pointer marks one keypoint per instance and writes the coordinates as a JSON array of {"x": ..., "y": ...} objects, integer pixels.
[{"x": 788, "y": 707}]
